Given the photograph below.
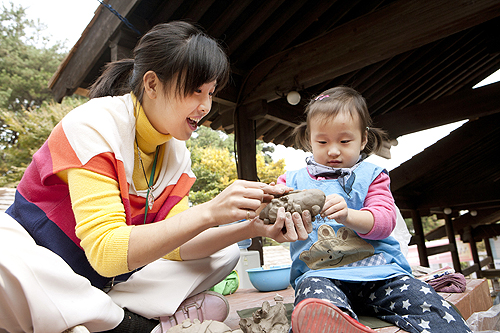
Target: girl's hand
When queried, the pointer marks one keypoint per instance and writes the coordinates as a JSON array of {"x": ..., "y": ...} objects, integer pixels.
[
  {"x": 335, "y": 208},
  {"x": 287, "y": 228},
  {"x": 241, "y": 200}
]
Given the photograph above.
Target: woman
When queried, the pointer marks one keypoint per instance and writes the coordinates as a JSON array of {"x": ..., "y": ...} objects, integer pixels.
[{"x": 106, "y": 198}]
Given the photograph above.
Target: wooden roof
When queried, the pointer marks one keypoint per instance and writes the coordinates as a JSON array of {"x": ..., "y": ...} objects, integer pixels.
[{"x": 414, "y": 61}]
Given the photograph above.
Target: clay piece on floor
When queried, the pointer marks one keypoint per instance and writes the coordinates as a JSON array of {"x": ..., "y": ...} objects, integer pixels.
[
  {"x": 207, "y": 326},
  {"x": 267, "y": 319},
  {"x": 312, "y": 200}
]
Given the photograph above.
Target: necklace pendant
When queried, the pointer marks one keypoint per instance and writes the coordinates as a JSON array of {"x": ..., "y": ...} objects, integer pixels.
[{"x": 151, "y": 199}]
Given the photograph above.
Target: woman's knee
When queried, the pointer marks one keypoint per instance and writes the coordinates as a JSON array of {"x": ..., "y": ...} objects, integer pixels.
[{"x": 229, "y": 256}]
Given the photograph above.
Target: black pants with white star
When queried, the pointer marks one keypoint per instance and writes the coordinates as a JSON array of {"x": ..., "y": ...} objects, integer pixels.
[{"x": 404, "y": 301}]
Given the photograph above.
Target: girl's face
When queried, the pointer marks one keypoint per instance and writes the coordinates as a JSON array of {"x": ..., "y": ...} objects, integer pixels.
[
  {"x": 179, "y": 115},
  {"x": 337, "y": 142}
]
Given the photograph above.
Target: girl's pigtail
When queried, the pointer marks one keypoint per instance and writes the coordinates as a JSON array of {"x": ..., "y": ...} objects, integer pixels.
[
  {"x": 114, "y": 81},
  {"x": 301, "y": 136},
  {"x": 375, "y": 140}
]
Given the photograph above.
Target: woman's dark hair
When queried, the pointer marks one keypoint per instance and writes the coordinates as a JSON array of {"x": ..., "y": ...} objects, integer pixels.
[
  {"x": 178, "y": 52},
  {"x": 328, "y": 105}
]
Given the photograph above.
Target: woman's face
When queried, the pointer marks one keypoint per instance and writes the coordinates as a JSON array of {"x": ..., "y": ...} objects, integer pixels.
[
  {"x": 179, "y": 115},
  {"x": 337, "y": 142}
]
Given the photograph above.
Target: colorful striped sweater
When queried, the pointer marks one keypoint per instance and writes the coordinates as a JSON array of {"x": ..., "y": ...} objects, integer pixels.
[{"x": 99, "y": 137}]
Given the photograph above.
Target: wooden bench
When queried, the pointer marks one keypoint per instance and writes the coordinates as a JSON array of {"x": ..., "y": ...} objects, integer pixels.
[{"x": 476, "y": 298}]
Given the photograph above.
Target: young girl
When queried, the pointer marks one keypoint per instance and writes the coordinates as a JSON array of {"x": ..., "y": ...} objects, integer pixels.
[
  {"x": 350, "y": 265},
  {"x": 103, "y": 206}
]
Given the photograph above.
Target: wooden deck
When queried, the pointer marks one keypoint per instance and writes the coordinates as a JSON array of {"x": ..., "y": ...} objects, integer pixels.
[{"x": 476, "y": 298}]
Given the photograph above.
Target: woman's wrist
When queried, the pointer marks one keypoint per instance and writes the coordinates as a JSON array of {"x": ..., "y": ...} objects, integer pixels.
[{"x": 203, "y": 214}]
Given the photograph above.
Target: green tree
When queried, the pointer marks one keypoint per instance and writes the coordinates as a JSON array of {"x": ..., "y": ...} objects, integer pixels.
[
  {"x": 33, "y": 128},
  {"x": 26, "y": 61},
  {"x": 214, "y": 163},
  {"x": 27, "y": 110}
]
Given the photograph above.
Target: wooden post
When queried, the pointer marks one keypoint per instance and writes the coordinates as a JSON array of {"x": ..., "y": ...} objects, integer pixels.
[
  {"x": 473, "y": 249},
  {"x": 494, "y": 281},
  {"x": 453, "y": 243},
  {"x": 244, "y": 128},
  {"x": 420, "y": 239}
]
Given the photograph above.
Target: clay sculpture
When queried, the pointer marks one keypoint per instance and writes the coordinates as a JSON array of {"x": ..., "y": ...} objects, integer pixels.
[
  {"x": 267, "y": 319},
  {"x": 312, "y": 200},
  {"x": 207, "y": 326}
]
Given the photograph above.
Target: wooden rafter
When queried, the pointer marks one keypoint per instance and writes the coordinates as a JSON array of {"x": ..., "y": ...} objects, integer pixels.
[{"x": 363, "y": 41}]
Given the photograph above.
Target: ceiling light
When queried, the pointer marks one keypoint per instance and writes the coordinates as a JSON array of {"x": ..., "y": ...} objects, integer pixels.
[{"x": 293, "y": 97}]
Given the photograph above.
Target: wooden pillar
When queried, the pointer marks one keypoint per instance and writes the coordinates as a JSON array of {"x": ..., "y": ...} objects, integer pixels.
[
  {"x": 244, "y": 128},
  {"x": 494, "y": 281},
  {"x": 420, "y": 237},
  {"x": 473, "y": 249},
  {"x": 489, "y": 252},
  {"x": 450, "y": 232}
]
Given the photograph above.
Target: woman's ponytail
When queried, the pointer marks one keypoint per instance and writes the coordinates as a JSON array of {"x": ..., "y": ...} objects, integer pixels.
[{"x": 114, "y": 81}]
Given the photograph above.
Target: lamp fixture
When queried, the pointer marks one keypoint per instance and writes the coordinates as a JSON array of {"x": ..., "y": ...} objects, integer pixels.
[{"x": 293, "y": 97}]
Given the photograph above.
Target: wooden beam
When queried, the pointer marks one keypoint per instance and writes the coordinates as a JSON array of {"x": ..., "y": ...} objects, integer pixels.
[
  {"x": 485, "y": 195},
  {"x": 89, "y": 48},
  {"x": 468, "y": 135},
  {"x": 484, "y": 217},
  {"x": 289, "y": 116},
  {"x": 485, "y": 232},
  {"x": 439, "y": 249},
  {"x": 364, "y": 41},
  {"x": 450, "y": 232},
  {"x": 460, "y": 106},
  {"x": 245, "y": 138}
]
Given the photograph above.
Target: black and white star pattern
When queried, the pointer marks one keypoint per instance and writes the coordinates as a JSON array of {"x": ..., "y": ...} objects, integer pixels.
[{"x": 404, "y": 301}]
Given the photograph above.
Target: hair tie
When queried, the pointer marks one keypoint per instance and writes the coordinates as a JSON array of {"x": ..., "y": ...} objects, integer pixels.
[
  {"x": 320, "y": 97},
  {"x": 367, "y": 128}
]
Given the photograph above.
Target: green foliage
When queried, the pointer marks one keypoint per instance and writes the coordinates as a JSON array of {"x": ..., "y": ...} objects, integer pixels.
[
  {"x": 206, "y": 137},
  {"x": 213, "y": 163},
  {"x": 33, "y": 128},
  {"x": 27, "y": 110},
  {"x": 430, "y": 223},
  {"x": 26, "y": 61}
]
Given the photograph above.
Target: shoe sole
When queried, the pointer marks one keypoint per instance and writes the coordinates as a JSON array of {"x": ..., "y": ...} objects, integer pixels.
[
  {"x": 319, "y": 316},
  {"x": 213, "y": 293}
]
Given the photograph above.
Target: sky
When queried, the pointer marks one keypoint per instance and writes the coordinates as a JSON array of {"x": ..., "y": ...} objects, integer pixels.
[{"x": 66, "y": 20}]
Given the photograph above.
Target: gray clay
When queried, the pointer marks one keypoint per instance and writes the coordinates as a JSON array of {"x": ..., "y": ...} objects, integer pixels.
[
  {"x": 268, "y": 319},
  {"x": 312, "y": 200},
  {"x": 207, "y": 326}
]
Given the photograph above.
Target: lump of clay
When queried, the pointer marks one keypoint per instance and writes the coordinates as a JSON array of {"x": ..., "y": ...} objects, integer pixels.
[
  {"x": 268, "y": 319},
  {"x": 312, "y": 200}
]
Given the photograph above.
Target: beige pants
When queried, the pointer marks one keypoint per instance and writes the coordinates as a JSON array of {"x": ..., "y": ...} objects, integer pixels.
[{"x": 40, "y": 293}]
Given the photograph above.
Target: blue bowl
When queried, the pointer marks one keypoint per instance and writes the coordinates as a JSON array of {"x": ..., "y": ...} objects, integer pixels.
[{"x": 270, "y": 279}]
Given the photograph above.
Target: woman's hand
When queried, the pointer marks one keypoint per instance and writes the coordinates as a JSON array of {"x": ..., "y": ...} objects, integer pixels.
[
  {"x": 287, "y": 228},
  {"x": 241, "y": 200},
  {"x": 335, "y": 208}
]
